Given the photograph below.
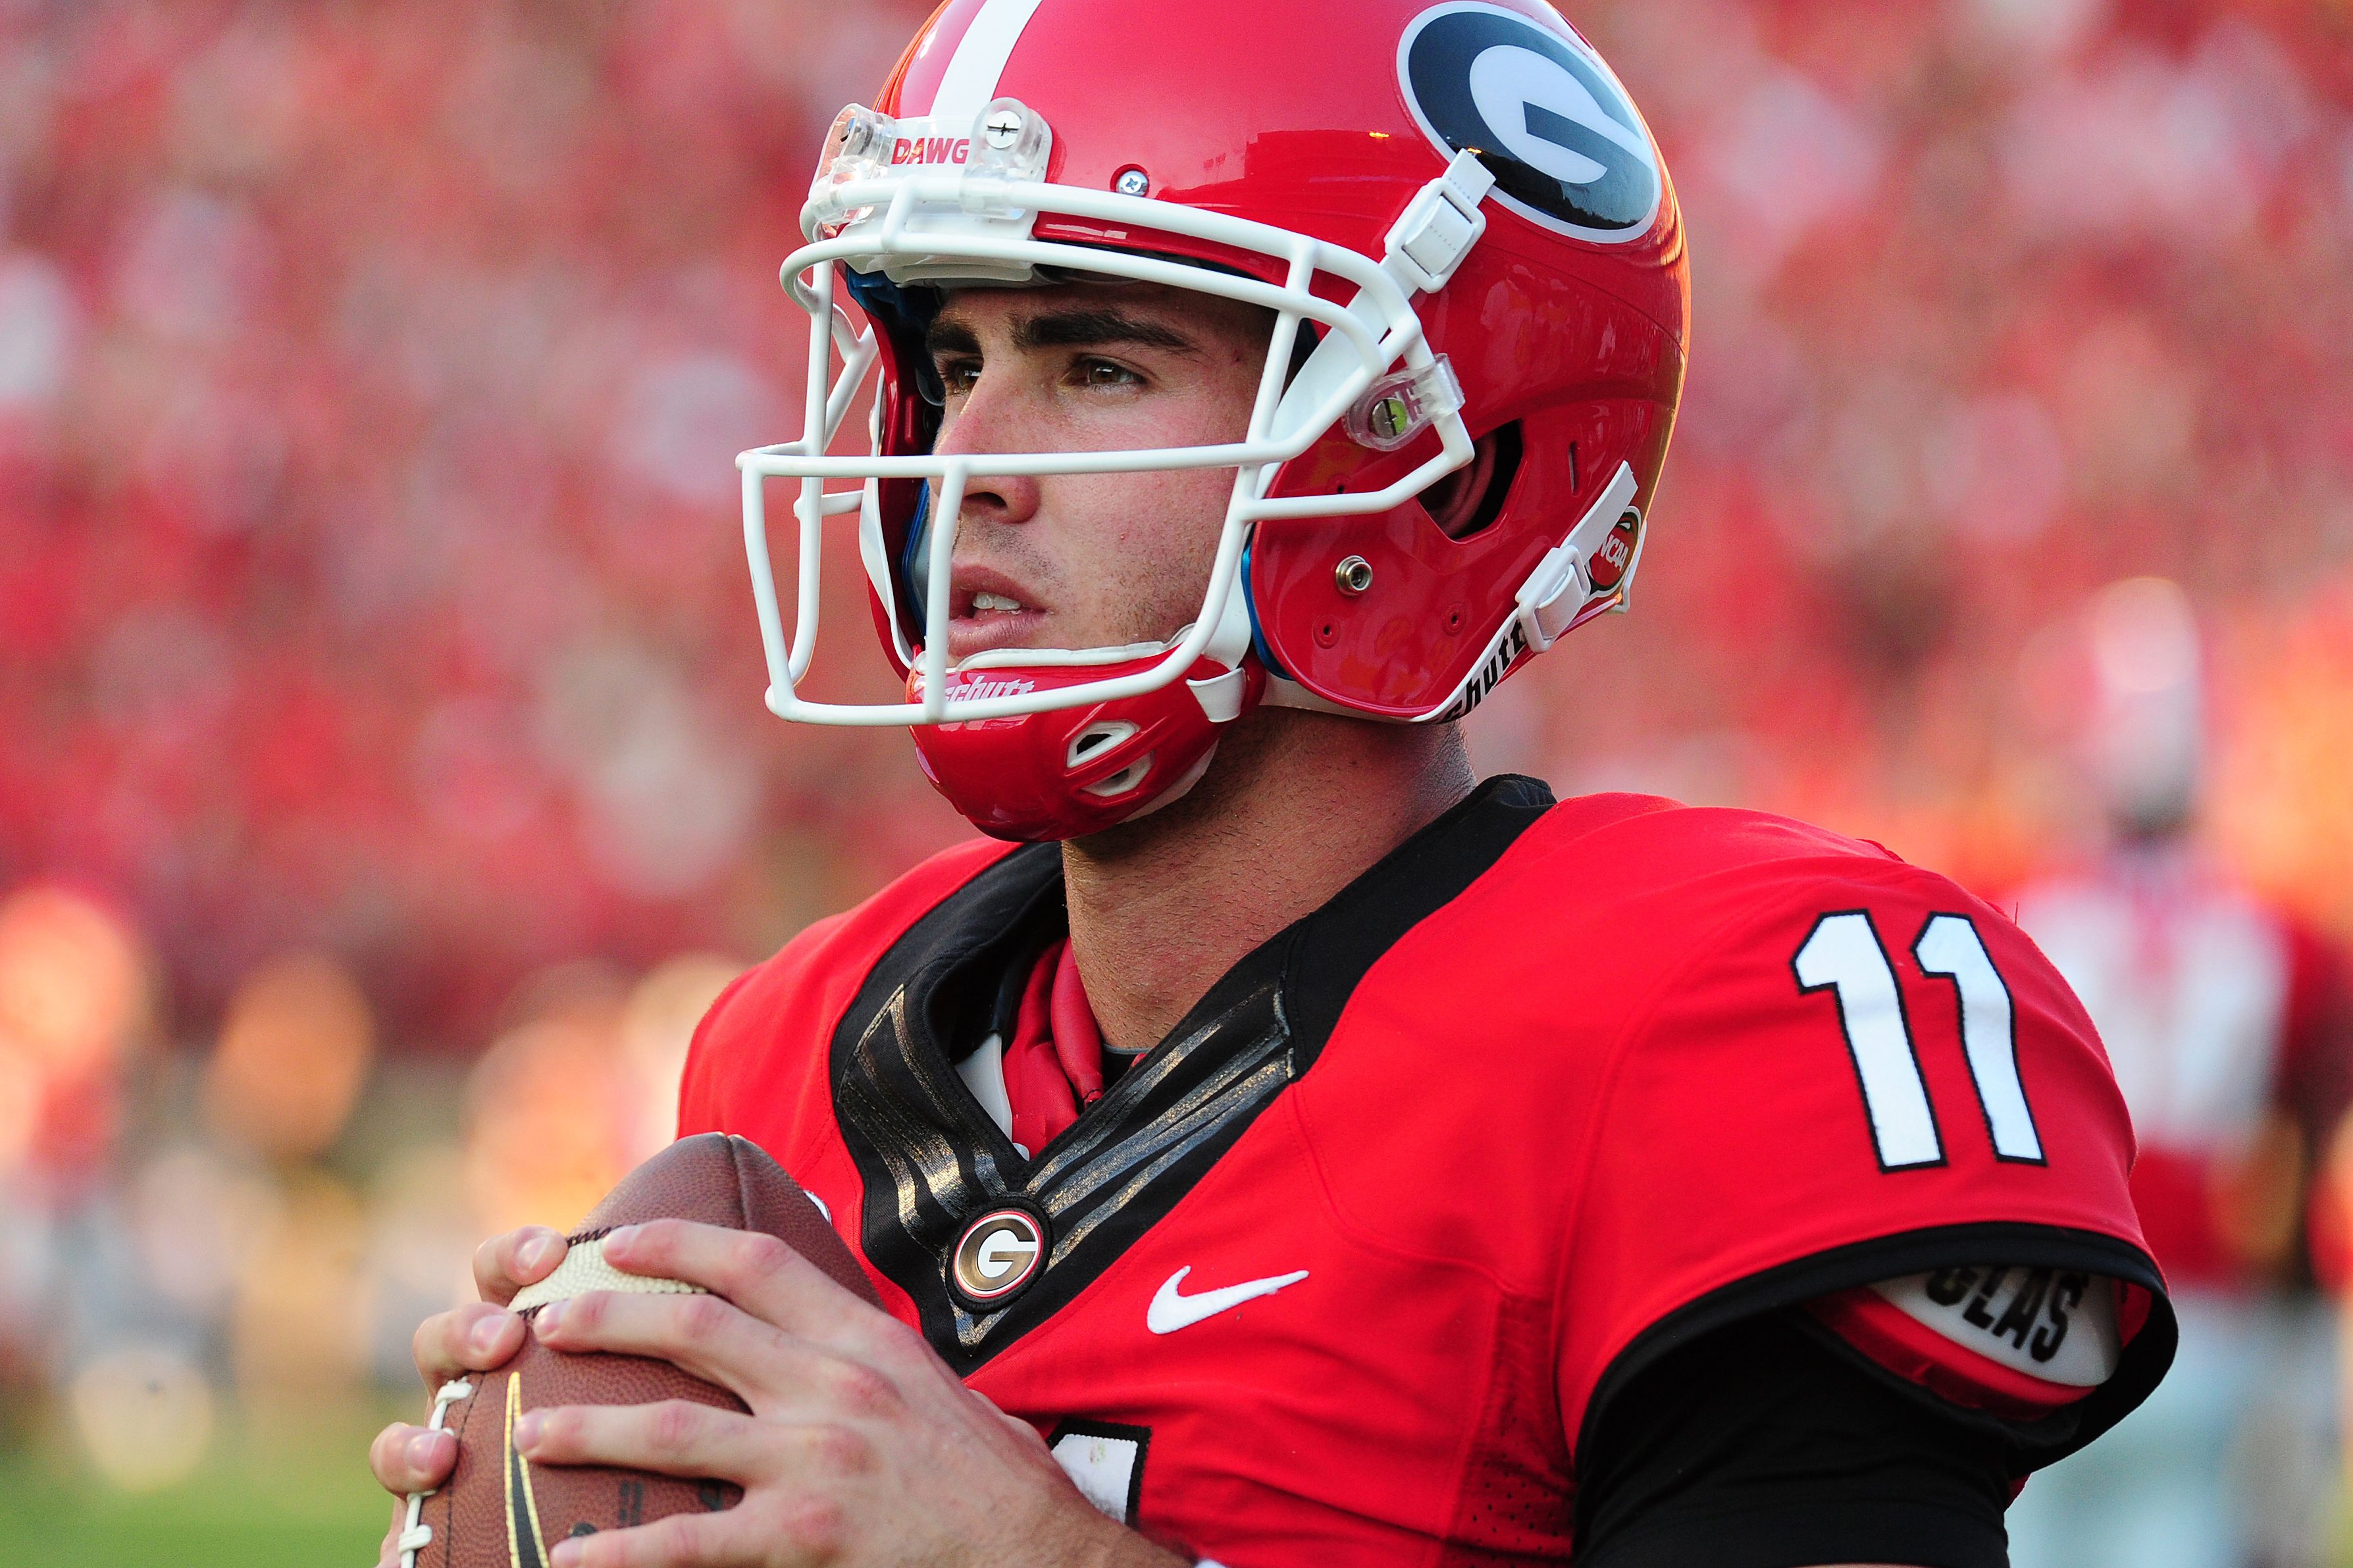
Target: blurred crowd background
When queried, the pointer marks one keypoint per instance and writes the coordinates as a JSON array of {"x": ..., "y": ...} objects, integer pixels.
[{"x": 385, "y": 787}]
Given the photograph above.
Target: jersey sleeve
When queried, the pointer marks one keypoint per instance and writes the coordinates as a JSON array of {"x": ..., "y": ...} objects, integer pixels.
[
  {"x": 2020, "y": 1343},
  {"x": 755, "y": 1065},
  {"x": 1858, "y": 1075},
  {"x": 1758, "y": 1445}
]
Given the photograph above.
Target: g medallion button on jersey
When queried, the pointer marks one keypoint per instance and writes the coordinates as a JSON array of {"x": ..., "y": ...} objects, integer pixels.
[{"x": 999, "y": 1256}]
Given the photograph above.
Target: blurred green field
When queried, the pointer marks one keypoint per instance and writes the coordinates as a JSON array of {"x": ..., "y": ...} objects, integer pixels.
[{"x": 278, "y": 1497}]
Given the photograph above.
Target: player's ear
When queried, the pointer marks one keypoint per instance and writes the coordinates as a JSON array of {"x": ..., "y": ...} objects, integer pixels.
[{"x": 1472, "y": 496}]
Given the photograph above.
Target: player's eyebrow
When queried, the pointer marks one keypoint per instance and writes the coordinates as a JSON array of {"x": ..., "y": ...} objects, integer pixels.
[
  {"x": 1098, "y": 329},
  {"x": 946, "y": 336},
  {"x": 1062, "y": 329}
]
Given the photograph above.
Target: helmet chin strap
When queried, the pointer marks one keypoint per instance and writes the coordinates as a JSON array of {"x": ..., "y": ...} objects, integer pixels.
[{"x": 1221, "y": 697}]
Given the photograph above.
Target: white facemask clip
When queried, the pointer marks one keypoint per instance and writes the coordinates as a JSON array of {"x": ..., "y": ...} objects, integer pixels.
[{"x": 1560, "y": 593}]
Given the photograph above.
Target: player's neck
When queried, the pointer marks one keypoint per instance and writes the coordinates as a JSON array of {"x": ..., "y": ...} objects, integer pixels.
[{"x": 1296, "y": 807}]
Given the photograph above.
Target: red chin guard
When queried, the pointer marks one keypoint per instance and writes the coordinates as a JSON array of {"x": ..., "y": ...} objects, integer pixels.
[{"x": 1076, "y": 770}]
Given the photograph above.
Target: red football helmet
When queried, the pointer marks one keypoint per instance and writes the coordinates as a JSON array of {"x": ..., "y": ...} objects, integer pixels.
[{"x": 1456, "y": 203}]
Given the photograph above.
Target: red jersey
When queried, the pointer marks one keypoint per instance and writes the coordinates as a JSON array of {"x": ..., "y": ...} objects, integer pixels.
[{"x": 1345, "y": 1270}]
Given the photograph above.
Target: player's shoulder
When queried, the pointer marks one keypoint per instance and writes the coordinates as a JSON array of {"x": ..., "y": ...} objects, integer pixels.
[
  {"x": 1826, "y": 1071},
  {"x": 779, "y": 1015},
  {"x": 1677, "y": 844},
  {"x": 849, "y": 944},
  {"x": 1644, "y": 874},
  {"x": 1707, "y": 962}
]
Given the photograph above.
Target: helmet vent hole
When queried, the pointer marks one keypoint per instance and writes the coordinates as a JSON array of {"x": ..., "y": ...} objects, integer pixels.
[
  {"x": 1575, "y": 479},
  {"x": 1095, "y": 737},
  {"x": 1469, "y": 500},
  {"x": 1122, "y": 782}
]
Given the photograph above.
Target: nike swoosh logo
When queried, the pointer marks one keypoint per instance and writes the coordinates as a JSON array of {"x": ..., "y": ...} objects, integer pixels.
[{"x": 1171, "y": 1311}]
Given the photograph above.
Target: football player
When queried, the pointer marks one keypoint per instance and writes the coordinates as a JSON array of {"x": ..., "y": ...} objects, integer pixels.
[{"x": 1273, "y": 1146}]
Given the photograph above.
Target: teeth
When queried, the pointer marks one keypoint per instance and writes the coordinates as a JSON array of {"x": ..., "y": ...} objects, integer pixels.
[{"x": 994, "y": 602}]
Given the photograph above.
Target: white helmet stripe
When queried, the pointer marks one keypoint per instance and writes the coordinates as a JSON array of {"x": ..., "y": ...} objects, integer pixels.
[{"x": 969, "y": 84}]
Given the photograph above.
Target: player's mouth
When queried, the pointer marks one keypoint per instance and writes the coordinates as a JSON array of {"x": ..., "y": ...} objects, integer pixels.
[{"x": 990, "y": 610}]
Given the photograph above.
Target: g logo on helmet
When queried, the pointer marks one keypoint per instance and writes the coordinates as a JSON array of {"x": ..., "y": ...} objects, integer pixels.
[{"x": 1566, "y": 144}]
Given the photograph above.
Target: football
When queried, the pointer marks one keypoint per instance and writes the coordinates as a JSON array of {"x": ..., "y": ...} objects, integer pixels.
[{"x": 499, "y": 1511}]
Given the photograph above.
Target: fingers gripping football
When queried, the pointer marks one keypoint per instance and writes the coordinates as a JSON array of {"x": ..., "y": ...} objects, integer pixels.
[
  {"x": 772, "y": 1283},
  {"x": 404, "y": 1460},
  {"x": 860, "y": 1445},
  {"x": 476, "y": 1337},
  {"x": 672, "y": 1542},
  {"x": 482, "y": 1336},
  {"x": 472, "y": 1338},
  {"x": 758, "y": 1273},
  {"x": 505, "y": 1264},
  {"x": 758, "y": 1534},
  {"x": 677, "y": 1437},
  {"x": 777, "y": 1374},
  {"x": 750, "y": 1362},
  {"x": 407, "y": 1458}
]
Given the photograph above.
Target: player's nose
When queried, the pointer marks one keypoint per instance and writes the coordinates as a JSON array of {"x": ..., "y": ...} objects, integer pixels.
[{"x": 988, "y": 423}]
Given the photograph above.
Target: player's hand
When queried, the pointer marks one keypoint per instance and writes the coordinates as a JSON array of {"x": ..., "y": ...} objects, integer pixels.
[
  {"x": 861, "y": 1447},
  {"x": 478, "y": 1337}
]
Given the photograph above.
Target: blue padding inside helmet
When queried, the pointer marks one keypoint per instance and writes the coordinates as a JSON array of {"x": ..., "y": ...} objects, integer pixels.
[
  {"x": 916, "y": 560},
  {"x": 904, "y": 315},
  {"x": 1257, "y": 638}
]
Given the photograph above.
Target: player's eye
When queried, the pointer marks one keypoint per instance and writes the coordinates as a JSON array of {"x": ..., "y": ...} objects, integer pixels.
[
  {"x": 1092, "y": 371},
  {"x": 957, "y": 375}
]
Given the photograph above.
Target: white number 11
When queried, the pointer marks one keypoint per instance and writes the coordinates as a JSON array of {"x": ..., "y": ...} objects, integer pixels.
[{"x": 1842, "y": 953}]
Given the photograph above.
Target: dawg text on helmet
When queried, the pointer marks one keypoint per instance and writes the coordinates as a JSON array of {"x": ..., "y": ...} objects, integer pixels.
[{"x": 931, "y": 149}]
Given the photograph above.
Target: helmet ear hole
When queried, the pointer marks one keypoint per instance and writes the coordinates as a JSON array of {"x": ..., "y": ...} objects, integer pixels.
[{"x": 1471, "y": 497}]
